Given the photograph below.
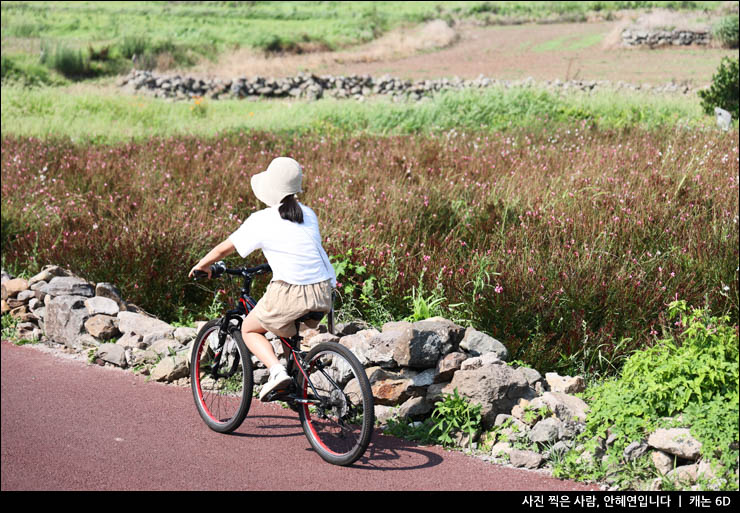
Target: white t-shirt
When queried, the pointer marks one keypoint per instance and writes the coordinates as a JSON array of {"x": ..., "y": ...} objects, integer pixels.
[{"x": 293, "y": 250}]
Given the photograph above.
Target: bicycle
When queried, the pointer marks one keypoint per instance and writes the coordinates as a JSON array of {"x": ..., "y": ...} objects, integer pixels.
[{"x": 330, "y": 390}]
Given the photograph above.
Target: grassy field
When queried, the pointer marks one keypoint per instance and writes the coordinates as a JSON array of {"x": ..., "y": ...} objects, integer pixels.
[
  {"x": 89, "y": 39},
  {"x": 253, "y": 23},
  {"x": 84, "y": 113}
]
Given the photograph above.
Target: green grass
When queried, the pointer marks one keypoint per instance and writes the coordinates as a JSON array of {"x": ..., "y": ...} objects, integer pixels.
[
  {"x": 110, "y": 117},
  {"x": 219, "y": 24},
  {"x": 586, "y": 42}
]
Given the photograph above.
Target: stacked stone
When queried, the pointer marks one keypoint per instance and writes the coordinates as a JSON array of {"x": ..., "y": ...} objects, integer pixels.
[
  {"x": 359, "y": 87},
  {"x": 61, "y": 309},
  {"x": 636, "y": 37}
]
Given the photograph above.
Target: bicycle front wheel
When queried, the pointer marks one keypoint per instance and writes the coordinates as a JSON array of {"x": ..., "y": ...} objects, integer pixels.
[
  {"x": 221, "y": 377},
  {"x": 337, "y": 410}
]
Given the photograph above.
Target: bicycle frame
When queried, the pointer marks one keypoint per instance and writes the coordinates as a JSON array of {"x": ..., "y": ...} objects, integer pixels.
[{"x": 246, "y": 304}]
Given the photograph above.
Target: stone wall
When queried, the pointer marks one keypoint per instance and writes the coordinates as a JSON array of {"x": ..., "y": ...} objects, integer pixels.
[
  {"x": 357, "y": 87},
  {"x": 528, "y": 419},
  {"x": 655, "y": 38}
]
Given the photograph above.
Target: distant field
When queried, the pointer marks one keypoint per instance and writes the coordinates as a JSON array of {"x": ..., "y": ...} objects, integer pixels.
[
  {"x": 250, "y": 23},
  {"x": 177, "y": 34}
]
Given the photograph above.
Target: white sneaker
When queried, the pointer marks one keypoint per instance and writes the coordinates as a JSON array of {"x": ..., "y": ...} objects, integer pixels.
[{"x": 278, "y": 379}]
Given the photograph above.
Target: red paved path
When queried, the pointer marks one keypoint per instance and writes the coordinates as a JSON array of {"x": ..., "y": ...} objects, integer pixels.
[{"x": 67, "y": 425}]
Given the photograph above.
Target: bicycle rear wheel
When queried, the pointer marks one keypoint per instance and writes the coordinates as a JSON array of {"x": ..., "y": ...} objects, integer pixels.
[
  {"x": 337, "y": 411},
  {"x": 221, "y": 377}
]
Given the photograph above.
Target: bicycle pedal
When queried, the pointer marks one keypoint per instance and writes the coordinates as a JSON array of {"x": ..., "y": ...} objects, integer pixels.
[{"x": 276, "y": 395}]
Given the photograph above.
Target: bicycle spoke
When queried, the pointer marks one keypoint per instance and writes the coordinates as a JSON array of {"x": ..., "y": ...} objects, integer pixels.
[
  {"x": 221, "y": 384},
  {"x": 339, "y": 425}
]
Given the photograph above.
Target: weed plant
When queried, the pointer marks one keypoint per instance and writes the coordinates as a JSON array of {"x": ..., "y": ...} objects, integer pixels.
[
  {"x": 726, "y": 31},
  {"x": 687, "y": 378},
  {"x": 454, "y": 418}
]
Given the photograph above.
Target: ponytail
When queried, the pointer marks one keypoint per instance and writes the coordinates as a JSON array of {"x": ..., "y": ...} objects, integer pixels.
[{"x": 290, "y": 209}]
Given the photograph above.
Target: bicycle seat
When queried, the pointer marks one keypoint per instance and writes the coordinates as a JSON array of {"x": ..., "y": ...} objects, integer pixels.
[{"x": 311, "y": 316}]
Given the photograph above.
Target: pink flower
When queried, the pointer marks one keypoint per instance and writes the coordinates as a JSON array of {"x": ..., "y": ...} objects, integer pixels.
[{"x": 499, "y": 289}]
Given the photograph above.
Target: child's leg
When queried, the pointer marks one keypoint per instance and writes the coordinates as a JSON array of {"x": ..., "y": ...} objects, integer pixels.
[{"x": 253, "y": 335}]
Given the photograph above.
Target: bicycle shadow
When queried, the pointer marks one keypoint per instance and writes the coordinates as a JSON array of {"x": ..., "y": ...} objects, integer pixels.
[
  {"x": 269, "y": 426},
  {"x": 385, "y": 453},
  {"x": 388, "y": 453}
]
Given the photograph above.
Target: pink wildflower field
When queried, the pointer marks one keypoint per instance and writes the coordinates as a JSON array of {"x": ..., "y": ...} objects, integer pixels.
[{"x": 557, "y": 242}]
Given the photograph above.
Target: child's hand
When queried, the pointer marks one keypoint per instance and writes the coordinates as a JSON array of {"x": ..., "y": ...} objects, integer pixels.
[{"x": 202, "y": 268}]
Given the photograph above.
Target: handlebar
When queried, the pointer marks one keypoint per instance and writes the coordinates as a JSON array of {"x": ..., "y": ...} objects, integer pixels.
[{"x": 220, "y": 268}]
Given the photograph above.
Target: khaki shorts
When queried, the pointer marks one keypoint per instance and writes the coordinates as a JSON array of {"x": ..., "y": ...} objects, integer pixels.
[{"x": 283, "y": 303}]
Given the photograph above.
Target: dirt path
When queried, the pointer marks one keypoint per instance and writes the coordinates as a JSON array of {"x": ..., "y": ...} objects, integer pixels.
[
  {"x": 67, "y": 425},
  {"x": 543, "y": 51}
]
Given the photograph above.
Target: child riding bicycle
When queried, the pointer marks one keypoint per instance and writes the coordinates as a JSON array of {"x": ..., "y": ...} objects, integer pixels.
[{"x": 287, "y": 232}]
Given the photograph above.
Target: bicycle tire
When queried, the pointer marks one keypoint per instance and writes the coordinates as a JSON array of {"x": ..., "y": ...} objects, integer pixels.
[
  {"x": 341, "y": 429},
  {"x": 222, "y": 403}
]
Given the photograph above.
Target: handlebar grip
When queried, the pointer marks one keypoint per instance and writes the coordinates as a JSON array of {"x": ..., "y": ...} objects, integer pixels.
[
  {"x": 217, "y": 270},
  {"x": 198, "y": 275}
]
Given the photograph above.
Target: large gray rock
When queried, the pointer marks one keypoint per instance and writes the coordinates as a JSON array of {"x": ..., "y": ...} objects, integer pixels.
[
  {"x": 415, "y": 348},
  {"x": 131, "y": 322},
  {"x": 525, "y": 459},
  {"x": 546, "y": 431},
  {"x": 102, "y": 326},
  {"x": 110, "y": 291},
  {"x": 113, "y": 353},
  {"x": 415, "y": 408},
  {"x": 380, "y": 348},
  {"x": 68, "y": 286},
  {"x": 65, "y": 318},
  {"x": 102, "y": 305},
  {"x": 676, "y": 441},
  {"x": 131, "y": 340},
  {"x": 496, "y": 387},
  {"x": 171, "y": 368},
  {"x": 449, "y": 333},
  {"x": 360, "y": 344},
  {"x": 565, "y": 407},
  {"x": 184, "y": 334},
  {"x": 477, "y": 343},
  {"x": 565, "y": 384},
  {"x": 165, "y": 346}
]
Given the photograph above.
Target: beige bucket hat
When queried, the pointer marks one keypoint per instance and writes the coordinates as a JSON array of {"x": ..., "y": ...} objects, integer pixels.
[{"x": 283, "y": 176}]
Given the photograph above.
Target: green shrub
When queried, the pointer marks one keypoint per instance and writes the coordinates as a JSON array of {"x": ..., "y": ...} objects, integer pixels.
[
  {"x": 132, "y": 45},
  {"x": 726, "y": 31},
  {"x": 694, "y": 374},
  {"x": 725, "y": 89},
  {"x": 455, "y": 414},
  {"x": 26, "y": 71},
  {"x": 69, "y": 62}
]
